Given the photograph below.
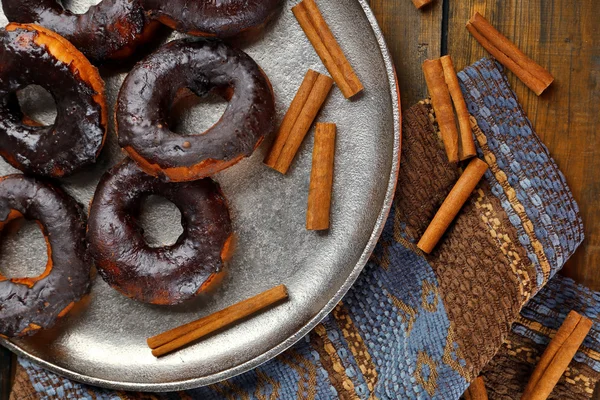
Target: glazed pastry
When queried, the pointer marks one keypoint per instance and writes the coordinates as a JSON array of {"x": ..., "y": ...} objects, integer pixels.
[
  {"x": 30, "y": 54},
  {"x": 164, "y": 275},
  {"x": 30, "y": 304},
  {"x": 221, "y": 18},
  {"x": 110, "y": 30},
  {"x": 150, "y": 89}
]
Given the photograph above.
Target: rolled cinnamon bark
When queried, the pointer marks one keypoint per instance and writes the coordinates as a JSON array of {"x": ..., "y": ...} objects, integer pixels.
[
  {"x": 298, "y": 120},
  {"x": 533, "y": 75},
  {"x": 316, "y": 29},
  {"x": 466, "y": 144},
  {"x": 321, "y": 178},
  {"x": 442, "y": 105},
  {"x": 557, "y": 357},
  {"x": 477, "y": 390},
  {"x": 450, "y": 208}
]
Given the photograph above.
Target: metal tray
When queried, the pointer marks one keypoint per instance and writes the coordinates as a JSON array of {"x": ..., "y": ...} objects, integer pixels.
[{"x": 103, "y": 342}]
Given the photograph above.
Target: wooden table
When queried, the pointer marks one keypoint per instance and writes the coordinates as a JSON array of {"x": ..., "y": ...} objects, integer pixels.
[{"x": 561, "y": 35}]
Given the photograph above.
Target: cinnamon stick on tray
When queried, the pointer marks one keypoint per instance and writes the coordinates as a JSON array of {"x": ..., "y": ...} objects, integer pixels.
[
  {"x": 442, "y": 105},
  {"x": 316, "y": 29},
  {"x": 557, "y": 357},
  {"x": 466, "y": 144},
  {"x": 179, "y": 337},
  {"x": 421, "y": 3},
  {"x": 477, "y": 390},
  {"x": 529, "y": 72},
  {"x": 450, "y": 208},
  {"x": 321, "y": 178},
  {"x": 298, "y": 119}
]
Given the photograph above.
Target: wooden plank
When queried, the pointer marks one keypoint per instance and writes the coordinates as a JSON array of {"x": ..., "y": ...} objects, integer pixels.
[
  {"x": 413, "y": 36},
  {"x": 562, "y": 36}
]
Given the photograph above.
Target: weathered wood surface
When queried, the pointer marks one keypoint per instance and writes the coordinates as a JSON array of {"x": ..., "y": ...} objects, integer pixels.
[{"x": 561, "y": 35}]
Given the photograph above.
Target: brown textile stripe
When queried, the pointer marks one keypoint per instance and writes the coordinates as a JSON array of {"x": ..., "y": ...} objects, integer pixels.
[
  {"x": 477, "y": 284},
  {"x": 480, "y": 291},
  {"x": 306, "y": 371},
  {"x": 426, "y": 177},
  {"x": 507, "y": 374},
  {"x": 501, "y": 229},
  {"x": 275, "y": 386},
  {"x": 22, "y": 387},
  {"x": 357, "y": 346},
  {"x": 536, "y": 246},
  {"x": 332, "y": 363}
]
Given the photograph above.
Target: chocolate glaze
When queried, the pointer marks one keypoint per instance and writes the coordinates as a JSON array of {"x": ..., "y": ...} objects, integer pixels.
[
  {"x": 150, "y": 89},
  {"x": 165, "y": 275},
  {"x": 29, "y": 304},
  {"x": 110, "y": 29},
  {"x": 77, "y": 136},
  {"x": 221, "y": 18}
]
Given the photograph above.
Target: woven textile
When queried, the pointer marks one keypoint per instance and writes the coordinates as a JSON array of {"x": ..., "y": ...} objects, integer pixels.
[{"x": 417, "y": 326}]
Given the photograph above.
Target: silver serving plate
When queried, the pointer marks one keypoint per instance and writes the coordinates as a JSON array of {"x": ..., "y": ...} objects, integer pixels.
[{"x": 103, "y": 343}]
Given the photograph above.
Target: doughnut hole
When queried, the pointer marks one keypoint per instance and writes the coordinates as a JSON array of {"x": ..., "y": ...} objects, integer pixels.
[
  {"x": 160, "y": 220},
  {"x": 37, "y": 105},
  {"x": 193, "y": 115},
  {"x": 23, "y": 250}
]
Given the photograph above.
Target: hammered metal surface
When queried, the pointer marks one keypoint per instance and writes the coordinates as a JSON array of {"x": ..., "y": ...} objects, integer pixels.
[{"x": 103, "y": 342}]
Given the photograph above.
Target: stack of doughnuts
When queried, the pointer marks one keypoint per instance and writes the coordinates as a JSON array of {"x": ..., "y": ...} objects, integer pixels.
[{"x": 49, "y": 46}]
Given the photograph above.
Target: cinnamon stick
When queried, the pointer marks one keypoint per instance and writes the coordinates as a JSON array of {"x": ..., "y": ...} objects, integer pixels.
[
  {"x": 557, "y": 357},
  {"x": 442, "y": 105},
  {"x": 298, "y": 119},
  {"x": 177, "y": 338},
  {"x": 316, "y": 29},
  {"x": 466, "y": 143},
  {"x": 421, "y": 3},
  {"x": 450, "y": 208},
  {"x": 321, "y": 178},
  {"x": 477, "y": 390},
  {"x": 291, "y": 116},
  {"x": 533, "y": 75}
]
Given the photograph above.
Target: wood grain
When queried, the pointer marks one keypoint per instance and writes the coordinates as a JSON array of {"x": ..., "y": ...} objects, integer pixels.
[
  {"x": 413, "y": 36},
  {"x": 562, "y": 36}
]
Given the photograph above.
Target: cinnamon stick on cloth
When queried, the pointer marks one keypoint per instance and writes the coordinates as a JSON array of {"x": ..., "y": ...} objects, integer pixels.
[
  {"x": 466, "y": 144},
  {"x": 450, "y": 208},
  {"x": 477, "y": 390},
  {"x": 316, "y": 29},
  {"x": 321, "y": 178},
  {"x": 298, "y": 120},
  {"x": 557, "y": 357},
  {"x": 442, "y": 105},
  {"x": 533, "y": 75}
]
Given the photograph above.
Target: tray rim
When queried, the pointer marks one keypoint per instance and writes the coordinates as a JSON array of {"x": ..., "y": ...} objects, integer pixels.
[{"x": 326, "y": 310}]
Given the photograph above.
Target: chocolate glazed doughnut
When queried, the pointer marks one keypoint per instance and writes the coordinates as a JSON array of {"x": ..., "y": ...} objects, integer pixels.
[
  {"x": 30, "y": 54},
  {"x": 150, "y": 89},
  {"x": 109, "y": 30},
  {"x": 221, "y": 18},
  {"x": 164, "y": 275},
  {"x": 30, "y": 304}
]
